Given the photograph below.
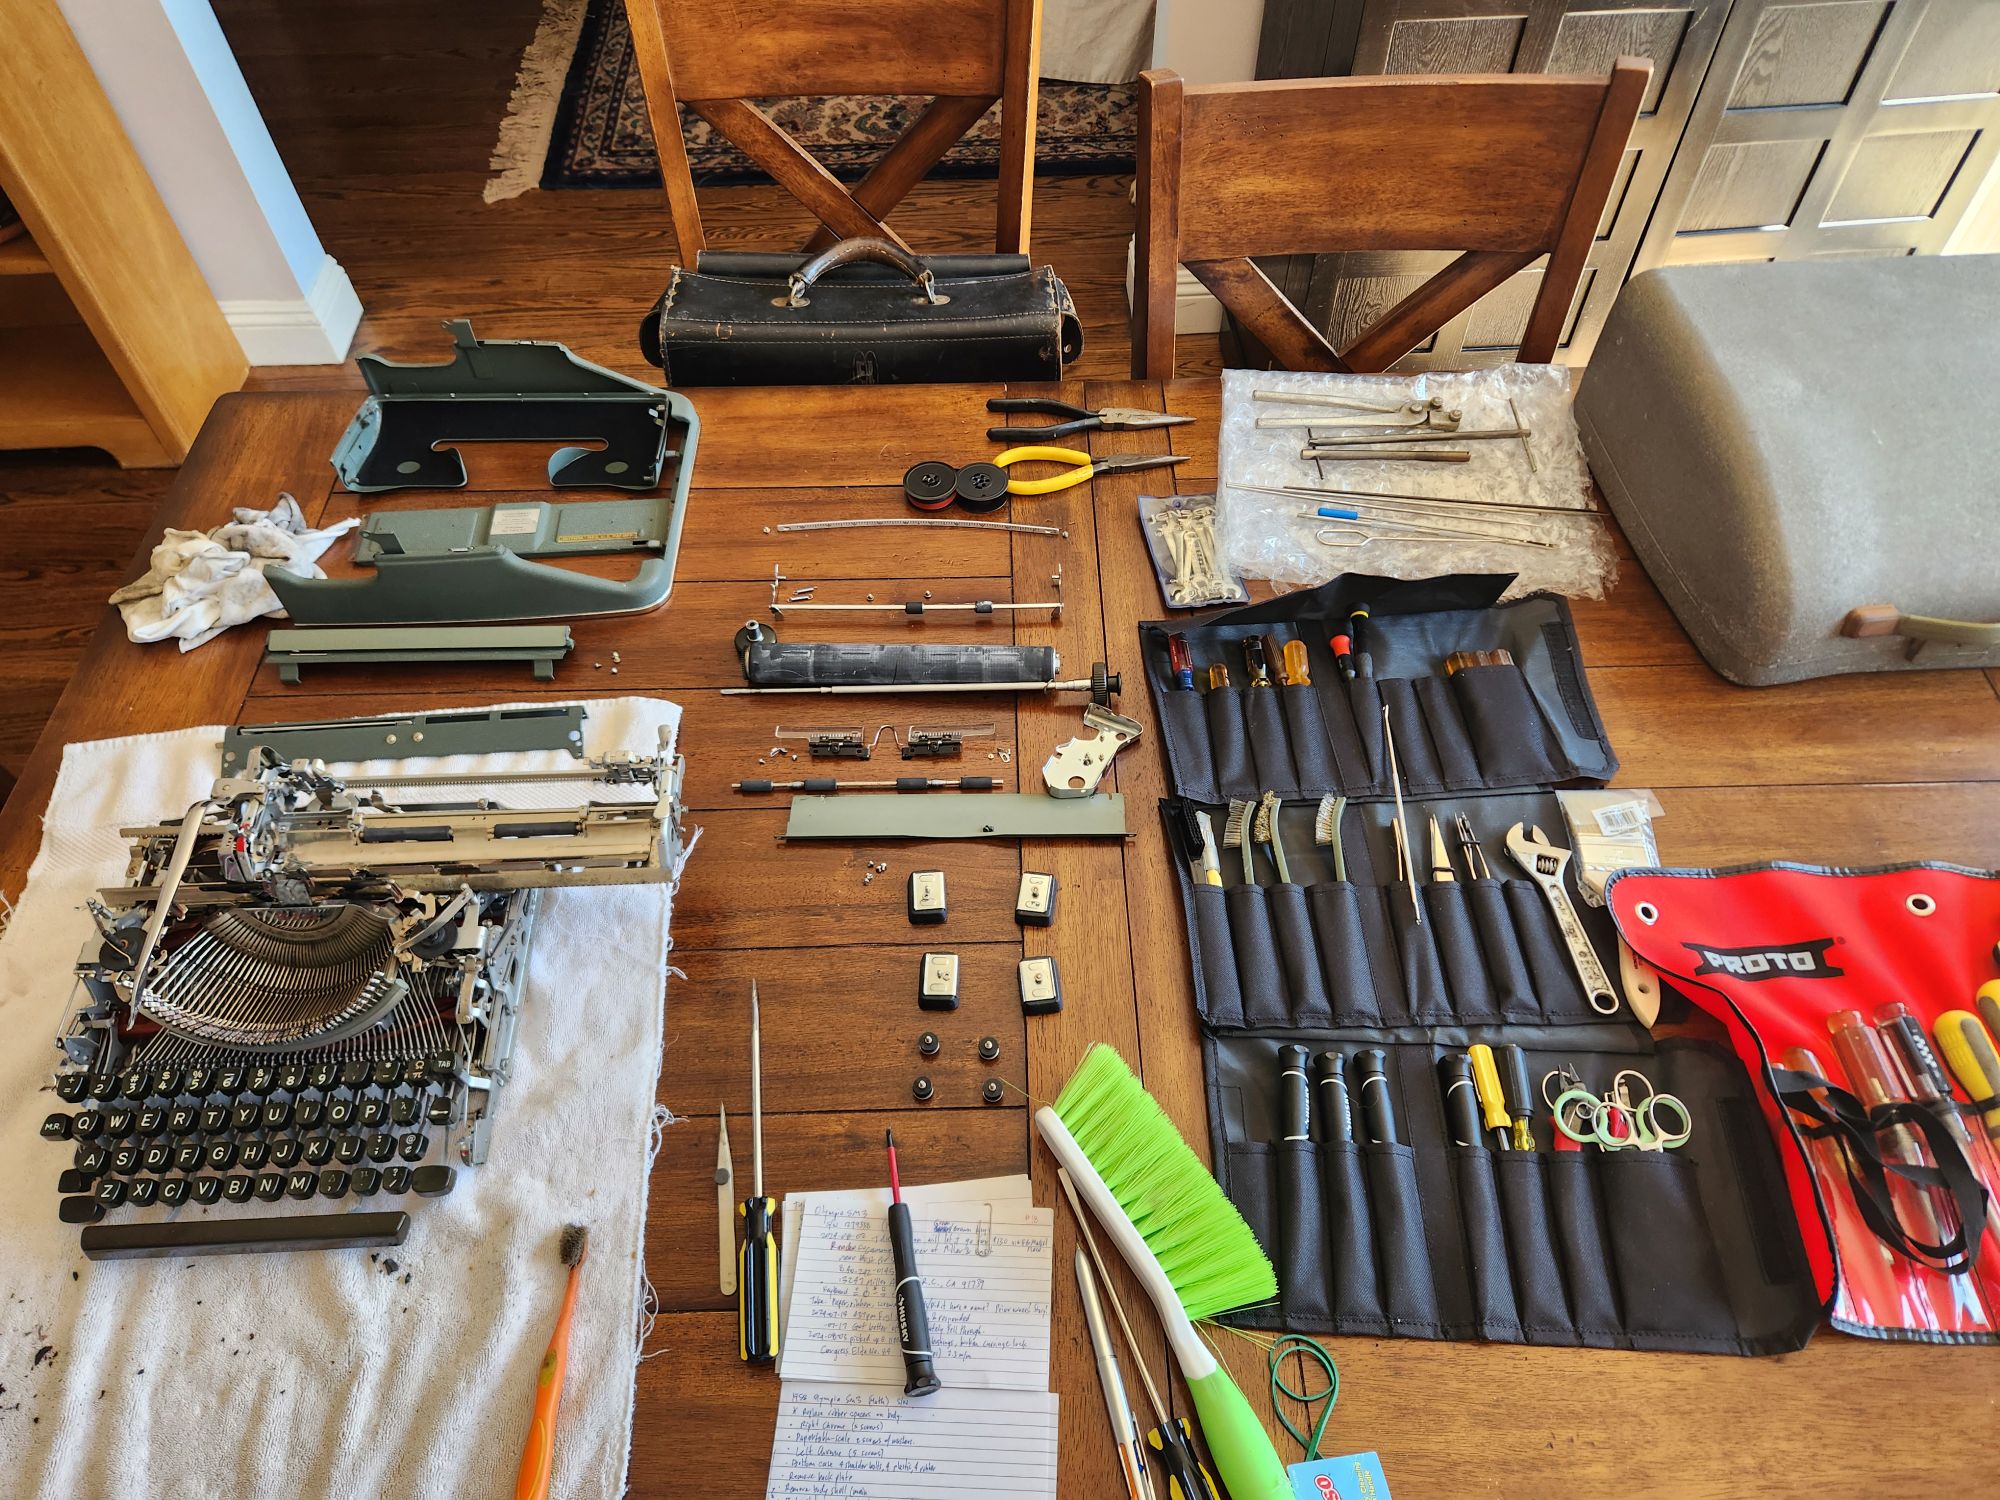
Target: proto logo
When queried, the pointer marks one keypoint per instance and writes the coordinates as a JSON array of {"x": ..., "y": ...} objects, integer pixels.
[{"x": 1790, "y": 961}]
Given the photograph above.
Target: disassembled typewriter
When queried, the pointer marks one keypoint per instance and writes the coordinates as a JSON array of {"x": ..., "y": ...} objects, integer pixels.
[{"x": 306, "y": 991}]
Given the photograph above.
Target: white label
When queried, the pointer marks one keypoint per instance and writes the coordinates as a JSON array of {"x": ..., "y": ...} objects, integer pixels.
[
  {"x": 1621, "y": 818},
  {"x": 521, "y": 521}
]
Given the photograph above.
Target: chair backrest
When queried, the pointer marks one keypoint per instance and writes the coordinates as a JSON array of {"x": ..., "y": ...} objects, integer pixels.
[
  {"x": 1505, "y": 168},
  {"x": 716, "y": 55}
]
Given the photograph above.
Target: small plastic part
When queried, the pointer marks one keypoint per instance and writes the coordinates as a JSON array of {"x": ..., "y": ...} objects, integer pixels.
[
  {"x": 921, "y": 1089},
  {"x": 937, "y": 985},
  {"x": 989, "y": 1049},
  {"x": 1041, "y": 987},
  {"x": 928, "y": 1045},
  {"x": 926, "y": 898},
  {"x": 993, "y": 1091},
  {"x": 1035, "y": 901}
]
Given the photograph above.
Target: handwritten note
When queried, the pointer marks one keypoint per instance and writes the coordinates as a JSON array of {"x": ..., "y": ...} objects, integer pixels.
[
  {"x": 986, "y": 1288},
  {"x": 856, "y": 1442}
]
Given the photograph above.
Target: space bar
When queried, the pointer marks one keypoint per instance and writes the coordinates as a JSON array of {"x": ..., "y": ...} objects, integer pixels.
[{"x": 244, "y": 1236}]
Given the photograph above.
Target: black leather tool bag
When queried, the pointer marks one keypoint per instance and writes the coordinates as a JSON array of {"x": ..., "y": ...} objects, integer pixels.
[{"x": 864, "y": 312}]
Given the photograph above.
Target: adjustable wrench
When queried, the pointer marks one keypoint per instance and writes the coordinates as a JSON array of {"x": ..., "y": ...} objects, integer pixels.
[{"x": 1546, "y": 865}]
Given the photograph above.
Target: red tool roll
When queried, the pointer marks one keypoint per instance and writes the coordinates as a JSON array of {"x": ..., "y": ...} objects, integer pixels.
[{"x": 1891, "y": 1184}]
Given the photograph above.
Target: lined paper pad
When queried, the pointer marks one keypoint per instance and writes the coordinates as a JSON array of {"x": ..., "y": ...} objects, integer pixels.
[
  {"x": 867, "y": 1443},
  {"x": 985, "y": 1261}
]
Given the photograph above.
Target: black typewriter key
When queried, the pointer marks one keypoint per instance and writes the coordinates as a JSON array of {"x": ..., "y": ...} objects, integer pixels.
[
  {"x": 284, "y": 1152},
  {"x": 319, "y": 1150},
  {"x": 56, "y": 1127},
  {"x": 271, "y": 1186},
  {"x": 71, "y": 1087},
  {"x": 245, "y": 1113},
  {"x": 347, "y": 1149},
  {"x": 156, "y": 1156},
  {"x": 118, "y": 1123},
  {"x": 353, "y": 1073},
  {"x": 167, "y": 1082},
  {"x": 88, "y": 1125},
  {"x": 374, "y": 1110},
  {"x": 72, "y": 1181},
  {"x": 433, "y": 1182},
  {"x": 414, "y": 1146},
  {"x": 79, "y": 1210},
  {"x": 205, "y": 1189},
  {"x": 253, "y": 1154},
  {"x": 301, "y": 1184},
  {"x": 407, "y": 1109},
  {"x": 364, "y": 1181},
  {"x": 151, "y": 1118},
  {"x": 103, "y": 1087},
  {"x": 199, "y": 1080},
  {"x": 110, "y": 1192},
  {"x": 238, "y": 1189},
  {"x": 91, "y": 1159},
  {"x": 321, "y": 1075},
  {"x": 261, "y": 1079},
  {"x": 332, "y": 1183},
  {"x": 173, "y": 1191},
  {"x": 308, "y": 1113},
  {"x": 277, "y": 1114},
  {"x": 385, "y": 1073},
  {"x": 229, "y": 1081},
  {"x": 187, "y": 1156},
  {"x": 381, "y": 1148},
  {"x": 442, "y": 1067},
  {"x": 220, "y": 1155},
  {"x": 181, "y": 1119},
  {"x": 340, "y": 1111},
  {"x": 439, "y": 1110},
  {"x": 416, "y": 1072},
  {"x": 125, "y": 1160},
  {"x": 292, "y": 1077},
  {"x": 134, "y": 1083},
  {"x": 214, "y": 1119},
  {"x": 143, "y": 1191},
  {"x": 396, "y": 1180}
]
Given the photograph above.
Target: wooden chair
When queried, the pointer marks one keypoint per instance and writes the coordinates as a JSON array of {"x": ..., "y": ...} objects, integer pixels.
[
  {"x": 714, "y": 58},
  {"x": 1505, "y": 168}
]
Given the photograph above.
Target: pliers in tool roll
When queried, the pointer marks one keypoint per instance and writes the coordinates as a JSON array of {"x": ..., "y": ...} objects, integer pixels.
[
  {"x": 1087, "y": 467},
  {"x": 1083, "y": 418}
]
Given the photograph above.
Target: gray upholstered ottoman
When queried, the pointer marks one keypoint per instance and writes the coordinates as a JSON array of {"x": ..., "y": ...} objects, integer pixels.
[{"x": 1786, "y": 444}]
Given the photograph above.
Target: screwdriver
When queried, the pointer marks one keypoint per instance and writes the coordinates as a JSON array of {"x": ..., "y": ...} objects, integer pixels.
[
  {"x": 1181, "y": 660},
  {"x": 757, "y": 1260},
  {"x": 1492, "y": 1102},
  {"x": 913, "y": 1323},
  {"x": 1968, "y": 1049},
  {"x": 1343, "y": 655},
  {"x": 1294, "y": 657},
  {"x": 1218, "y": 676},
  {"x": 1520, "y": 1098},
  {"x": 1258, "y": 663},
  {"x": 1461, "y": 1103}
]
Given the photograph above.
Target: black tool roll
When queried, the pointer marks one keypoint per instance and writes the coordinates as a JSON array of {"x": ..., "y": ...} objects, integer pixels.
[
  {"x": 864, "y": 312},
  {"x": 1691, "y": 1248}
]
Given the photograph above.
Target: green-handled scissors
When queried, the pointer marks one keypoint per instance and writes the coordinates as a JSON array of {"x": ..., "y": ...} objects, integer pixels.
[{"x": 1615, "y": 1122}]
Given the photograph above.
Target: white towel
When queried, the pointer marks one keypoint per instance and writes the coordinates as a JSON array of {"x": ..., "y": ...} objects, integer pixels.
[{"x": 407, "y": 1372}]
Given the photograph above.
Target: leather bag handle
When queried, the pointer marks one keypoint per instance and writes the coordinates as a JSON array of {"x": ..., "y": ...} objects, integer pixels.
[{"x": 847, "y": 253}]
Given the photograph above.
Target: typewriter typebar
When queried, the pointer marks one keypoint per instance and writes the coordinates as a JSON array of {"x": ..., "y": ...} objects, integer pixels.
[{"x": 298, "y": 1012}]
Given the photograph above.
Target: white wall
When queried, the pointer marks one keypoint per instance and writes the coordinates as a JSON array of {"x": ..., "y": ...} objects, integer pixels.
[{"x": 175, "y": 86}]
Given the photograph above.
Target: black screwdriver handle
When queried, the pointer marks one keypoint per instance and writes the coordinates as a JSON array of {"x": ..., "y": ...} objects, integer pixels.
[
  {"x": 913, "y": 1323},
  {"x": 1294, "y": 1095}
]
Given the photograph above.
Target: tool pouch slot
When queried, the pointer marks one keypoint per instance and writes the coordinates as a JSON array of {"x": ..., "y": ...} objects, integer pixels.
[
  {"x": 1427, "y": 1000},
  {"x": 1184, "y": 725},
  {"x": 1251, "y": 1188},
  {"x": 1668, "y": 1271},
  {"x": 1270, "y": 743},
  {"x": 1515, "y": 745},
  {"x": 1215, "y": 958},
  {"x": 1586, "y": 1254},
  {"x": 1488, "y": 1275},
  {"x": 1305, "y": 1266},
  {"x": 1558, "y": 993},
  {"x": 1505, "y": 965},
  {"x": 1537, "y": 1264},
  {"x": 1344, "y": 952},
  {"x": 1402, "y": 1254},
  {"x": 1451, "y": 929},
  {"x": 1416, "y": 759},
  {"x": 1229, "y": 744},
  {"x": 1315, "y": 757},
  {"x": 1364, "y": 701},
  {"x": 1260, "y": 971},
  {"x": 1357, "y": 1289}
]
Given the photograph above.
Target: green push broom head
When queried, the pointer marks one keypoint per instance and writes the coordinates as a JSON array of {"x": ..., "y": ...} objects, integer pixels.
[{"x": 1200, "y": 1240}]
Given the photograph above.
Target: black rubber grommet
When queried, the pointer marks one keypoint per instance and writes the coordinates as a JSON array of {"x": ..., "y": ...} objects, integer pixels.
[
  {"x": 981, "y": 487},
  {"x": 989, "y": 1048},
  {"x": 929, "y": 1045},
  {"x": 928, "y": 485},
  {"x": 921, "y": 1090},
  {"x": 993, "y": 1091}
]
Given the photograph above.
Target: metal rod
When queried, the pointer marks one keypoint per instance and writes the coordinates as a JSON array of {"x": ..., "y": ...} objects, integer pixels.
[
  {"x": 1345, "y": 403},
  {"x": 1412, "y": 455},
  {"x": 950, "y": 522},
  {"x": 1083, "y": 685},
  {"x": 1337, "y": 492},
  {"x": 1423, "y": 435}
]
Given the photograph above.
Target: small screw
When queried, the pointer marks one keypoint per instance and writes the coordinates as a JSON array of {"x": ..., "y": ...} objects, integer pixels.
[
  {"x": 616, "y": 657},
  {"x": 598, "y": 665},
  {"x": 993, "y": 1091},
  {"x": 929, "y": 1045},
  {"x": 614, "y": 671},
  {"x": 927, "y": 593},
  {"x": 921, "y": 1090},
  {"x": 989, "y": 1048},
  {"x": 871, "y": 598}
]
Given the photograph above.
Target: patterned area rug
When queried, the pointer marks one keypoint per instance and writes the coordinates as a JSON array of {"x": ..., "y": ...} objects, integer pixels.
[{"x": 602, "y": 137}]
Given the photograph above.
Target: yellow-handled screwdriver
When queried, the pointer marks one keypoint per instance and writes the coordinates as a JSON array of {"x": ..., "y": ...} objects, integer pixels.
[
  {"x": 1492, "y": 1101},
  {"x": 1968, "y": 1051},
  {"x": 757, "y": 1257},
  {"x": 1294, "y": 659}
]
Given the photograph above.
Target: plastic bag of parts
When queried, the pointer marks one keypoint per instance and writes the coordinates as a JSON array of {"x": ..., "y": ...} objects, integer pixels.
[
  {"x": 1181, "y": 536},
  {"x": 1524, "y": 503},
  {"x": 1609, "y": 831}
]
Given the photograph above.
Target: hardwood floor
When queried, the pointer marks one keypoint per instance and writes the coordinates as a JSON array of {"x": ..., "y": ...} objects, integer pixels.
[{"x": 385, "y": 114}]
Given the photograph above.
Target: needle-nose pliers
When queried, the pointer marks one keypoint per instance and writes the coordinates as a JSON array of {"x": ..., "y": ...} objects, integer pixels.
[{"x": 1083, "y": 418}]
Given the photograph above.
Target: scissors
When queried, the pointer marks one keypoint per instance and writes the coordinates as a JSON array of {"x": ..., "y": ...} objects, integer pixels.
[{"x": 1617, "y": 1120}]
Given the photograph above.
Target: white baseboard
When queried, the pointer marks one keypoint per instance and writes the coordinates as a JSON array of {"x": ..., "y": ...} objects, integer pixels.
[
  {"x": 1195, "y": 311},
  {"x": 315, "y": 329}
]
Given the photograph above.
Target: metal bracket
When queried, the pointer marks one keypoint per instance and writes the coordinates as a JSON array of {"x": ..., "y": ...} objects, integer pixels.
[
  {"x": 1078, "y": 765},
  {"x": 496, "y": 731},
  {"x": 915, "y": 609},
  {"x": 892, "y": 815},
  {"x": 541, "y": 646}
]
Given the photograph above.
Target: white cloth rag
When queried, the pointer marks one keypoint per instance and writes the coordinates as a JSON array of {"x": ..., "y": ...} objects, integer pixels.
[
  {"x": 202, "y": 582},
  {"x": 407, "y": 1372}
]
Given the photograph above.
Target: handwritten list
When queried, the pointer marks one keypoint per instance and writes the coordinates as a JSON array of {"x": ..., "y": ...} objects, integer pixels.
[{"x": 858, "y": 1442}]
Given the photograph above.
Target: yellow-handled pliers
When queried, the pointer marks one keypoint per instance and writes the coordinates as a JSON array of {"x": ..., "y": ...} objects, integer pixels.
[{"x": 1087, "y": 467}]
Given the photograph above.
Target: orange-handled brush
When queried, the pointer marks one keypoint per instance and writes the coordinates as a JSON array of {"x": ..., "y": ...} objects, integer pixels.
[{"x": 539, "y": 1457}]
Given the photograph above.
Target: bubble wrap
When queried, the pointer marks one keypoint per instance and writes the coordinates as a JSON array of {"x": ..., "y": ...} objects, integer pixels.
[{"x": 1264, "y": 535}]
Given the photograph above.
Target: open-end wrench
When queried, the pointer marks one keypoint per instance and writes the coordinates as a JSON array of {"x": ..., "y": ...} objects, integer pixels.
[{"x": 1546, "y": 864}]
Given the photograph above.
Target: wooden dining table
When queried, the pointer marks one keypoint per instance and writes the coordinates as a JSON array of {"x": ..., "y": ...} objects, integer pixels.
[{"x": 1848, "y": 770}]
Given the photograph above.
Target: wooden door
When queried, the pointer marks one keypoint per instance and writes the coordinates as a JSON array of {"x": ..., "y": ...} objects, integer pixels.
[{"x": 1833, "y": 128}]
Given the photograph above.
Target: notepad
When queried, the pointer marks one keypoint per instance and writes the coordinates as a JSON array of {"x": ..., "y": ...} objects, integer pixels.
[{"x": 870, "y": 1443}]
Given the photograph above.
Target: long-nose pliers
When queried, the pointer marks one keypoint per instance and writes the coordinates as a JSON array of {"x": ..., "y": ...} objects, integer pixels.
[{"x": 1083, "y": 419}]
